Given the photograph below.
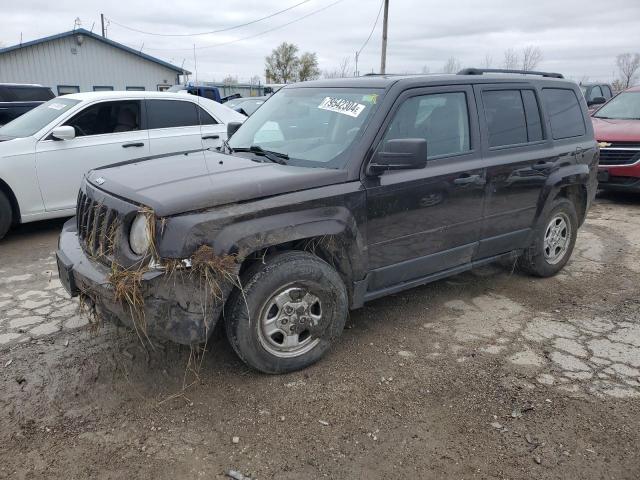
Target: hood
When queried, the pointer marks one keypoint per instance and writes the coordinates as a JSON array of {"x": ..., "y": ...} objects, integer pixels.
[
  {"x": 612, "y": 130},
  {"x": 176, "y": 184}
]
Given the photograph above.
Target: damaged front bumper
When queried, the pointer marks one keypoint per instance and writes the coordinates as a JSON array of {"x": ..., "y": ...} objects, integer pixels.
[{"x": 174, "y": 307}]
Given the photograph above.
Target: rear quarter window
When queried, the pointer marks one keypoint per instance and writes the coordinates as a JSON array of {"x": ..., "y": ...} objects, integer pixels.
[
  {"x": 25, "y": 94},
  {"x": 565, "y": 114}
]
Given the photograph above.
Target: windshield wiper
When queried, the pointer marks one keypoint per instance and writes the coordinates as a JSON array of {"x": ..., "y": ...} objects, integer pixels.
[{"x": 275, "y": 157}]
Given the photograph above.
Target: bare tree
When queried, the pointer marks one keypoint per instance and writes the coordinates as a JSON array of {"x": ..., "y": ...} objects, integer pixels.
[
  {"x": 230, "y": 80},
  {"x": 343, "y": 70},
  {"x": 628, "y": 64},
  {"x": 255, "y": 80},
  {"x": 510, "y": 59},
  {"x": 531, "y": 57},
  {"x": 425, "y": 69},
  {"x": 488, "y": 61},
  {"x": 452, "y": 65},
  {"x": 282, "y": 64},
  {"x": 308, "y": 67}
]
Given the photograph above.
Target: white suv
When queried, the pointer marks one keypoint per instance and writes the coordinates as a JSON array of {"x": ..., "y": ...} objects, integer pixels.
[{"x": 45, "y": 153}]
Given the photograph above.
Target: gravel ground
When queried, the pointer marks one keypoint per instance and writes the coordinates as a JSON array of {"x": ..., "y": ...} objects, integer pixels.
[{"x": 489, "y": 374}]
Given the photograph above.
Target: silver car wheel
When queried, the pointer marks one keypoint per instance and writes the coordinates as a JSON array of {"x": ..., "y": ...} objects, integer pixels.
[
  {"x": 289, "y": 322},
  {"x": 557, "y": 238}
]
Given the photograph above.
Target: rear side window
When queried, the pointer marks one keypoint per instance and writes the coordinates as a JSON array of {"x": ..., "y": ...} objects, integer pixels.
[
  {"x": 505, "y": 116},
  {"x": 25, "y": 94},
  {"x": 607, "y": 92},
  {"x": 595, "y": 92},
  {"x": 171, "y": 114},
  {"x": 205, "y": 118},
  {"x": 564, "y": 112}
]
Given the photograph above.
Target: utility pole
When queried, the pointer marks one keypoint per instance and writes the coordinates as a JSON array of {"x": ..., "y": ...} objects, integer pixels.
[
  {"x": 383, "y": 60},
  {"x": 102, "y": 22}
]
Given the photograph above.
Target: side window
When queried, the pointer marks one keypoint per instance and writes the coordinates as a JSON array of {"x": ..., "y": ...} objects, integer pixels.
[
  {"x": 171, "y": 114},
  {"x": 208, "y": 93},
  {"x": 441, "y": 118},
  {"x": 107, "y": 117},
  {"x": 532, "y": 112},
  {"x": 607, "y": 92},
  {"x": 68, "y": 89},
  {"x": 564, "y": 112},
  {"x": 205, "y": 118},
  {"x": 595, "y": 92},
  {"x": 506, "y": 122}
]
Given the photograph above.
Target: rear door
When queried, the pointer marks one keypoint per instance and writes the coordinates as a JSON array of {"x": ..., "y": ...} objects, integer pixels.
[
  {"x": 423, "y": 221},
  {"x": 212, "y": 130},
  {"x": 174, "y": 126},
  {"x": 106, "y": 132}
]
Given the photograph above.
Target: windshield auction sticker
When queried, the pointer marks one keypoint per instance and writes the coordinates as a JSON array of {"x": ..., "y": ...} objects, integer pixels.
[{"x": 340, "y": 105}]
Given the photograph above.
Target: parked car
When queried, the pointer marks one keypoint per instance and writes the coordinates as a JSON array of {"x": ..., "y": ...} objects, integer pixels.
[
  {"x": 246, "y": 105},
  {"x": 45, "y": 153},
  {"x": 617, "y": 129},
  {"x": 206, "y": 91},
  {"x": 596, "y": 94},
  {"x": 373, "y": 185},
  {"x": 17, "y": 99}
]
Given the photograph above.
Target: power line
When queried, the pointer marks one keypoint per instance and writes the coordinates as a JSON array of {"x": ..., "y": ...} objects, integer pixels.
[
  {"x": 264, "y": 32},
  {"x": 226, "y": 29},
  {"x": 375, "y": 24}
]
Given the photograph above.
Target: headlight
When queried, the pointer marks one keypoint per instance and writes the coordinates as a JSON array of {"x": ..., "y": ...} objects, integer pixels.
[{"x": 140, "y": 235}]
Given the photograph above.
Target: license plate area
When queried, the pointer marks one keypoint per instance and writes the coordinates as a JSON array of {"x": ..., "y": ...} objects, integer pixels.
[{"x": 65, "y": 272}]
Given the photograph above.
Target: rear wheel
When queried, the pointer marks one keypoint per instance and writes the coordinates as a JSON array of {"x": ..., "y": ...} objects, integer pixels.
[
  {"x": 6, "y": 215},
  {"x": 291, "y": 308},
  {"x": 554, "y": 241}
]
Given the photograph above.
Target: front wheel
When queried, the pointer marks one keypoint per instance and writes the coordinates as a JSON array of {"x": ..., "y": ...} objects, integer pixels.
[
  {"x": 6, "y": 215},
  {"x": 554, "y": 241},
  {"x": 290, "y": 309}
]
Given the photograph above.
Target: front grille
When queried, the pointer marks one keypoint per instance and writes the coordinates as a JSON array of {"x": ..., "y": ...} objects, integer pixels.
[
  {"x": 618, "y": 156},
  {"x": 97, "y": 226}
]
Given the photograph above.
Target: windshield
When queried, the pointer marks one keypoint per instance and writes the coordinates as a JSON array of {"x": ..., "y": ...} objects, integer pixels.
[
  {"x": 625, "y": 106},
  {"x": 313, "y": 126},
  {"x": 38, "y": 118}
]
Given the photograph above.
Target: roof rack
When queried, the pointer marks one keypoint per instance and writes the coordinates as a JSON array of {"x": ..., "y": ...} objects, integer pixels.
[{"x": 480, "y": 71}]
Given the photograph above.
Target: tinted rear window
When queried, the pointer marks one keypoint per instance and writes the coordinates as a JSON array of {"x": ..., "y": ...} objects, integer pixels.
[
  {"x": 171, "y": 114},
  {"x": 504, "y": 111},
  {"x": 25, "y": 94},
  {"x": 565, "y": 113}
]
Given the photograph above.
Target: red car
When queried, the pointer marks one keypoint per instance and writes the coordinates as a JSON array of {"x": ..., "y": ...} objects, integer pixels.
[{"x": 617, "y": 130}]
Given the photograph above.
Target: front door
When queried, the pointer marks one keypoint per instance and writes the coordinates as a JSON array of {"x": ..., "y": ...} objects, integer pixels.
[
  {"x": 427, "y": 220},
  {"x": 106, "y": 133}
]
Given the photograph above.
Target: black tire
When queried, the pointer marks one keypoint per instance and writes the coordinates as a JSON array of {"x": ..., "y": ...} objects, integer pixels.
[
  {"x": 290, "y": 275},
  {"x": 6, "y": 215},
  {"x": 539, "y": 259}
]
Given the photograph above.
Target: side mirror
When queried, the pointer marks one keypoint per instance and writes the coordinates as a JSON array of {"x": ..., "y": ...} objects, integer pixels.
[
  {"x": 597, "y": 101},
  {"x": 64, "y": 133},
  {"x": 232, "y": 127},
  {"x": 400, "y": 154}
]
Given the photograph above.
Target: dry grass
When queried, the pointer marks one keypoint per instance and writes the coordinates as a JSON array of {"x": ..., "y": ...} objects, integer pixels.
[{"x": 128, "y": 290}]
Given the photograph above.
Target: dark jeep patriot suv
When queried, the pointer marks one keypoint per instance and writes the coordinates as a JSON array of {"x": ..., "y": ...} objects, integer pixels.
[{"x": 332, "y": 194}]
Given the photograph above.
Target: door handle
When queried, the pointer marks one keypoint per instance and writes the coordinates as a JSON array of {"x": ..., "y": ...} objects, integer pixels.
[
  {"x": 543, "y": 166},
  {"x": 137, "y": 144},
  {"x": 211, "y": 137},
  {"x": 466, "y": 179}
]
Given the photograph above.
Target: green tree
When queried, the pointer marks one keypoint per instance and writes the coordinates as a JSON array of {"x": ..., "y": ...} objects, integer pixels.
[
  {"x": 283, "y": 63},
  {"x": 308, "y": 67}
]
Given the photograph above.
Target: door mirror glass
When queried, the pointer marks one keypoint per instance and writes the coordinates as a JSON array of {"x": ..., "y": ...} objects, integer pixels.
[
  {"x": 597, "y": 101},
  {"x": 64, "y": 133},
  {"x": 400, "y": 154},
  {"x": 232, "y": 127}
]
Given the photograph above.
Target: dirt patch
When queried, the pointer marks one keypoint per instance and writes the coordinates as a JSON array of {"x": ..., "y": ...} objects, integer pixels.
[{"x": 489, "y": 374}]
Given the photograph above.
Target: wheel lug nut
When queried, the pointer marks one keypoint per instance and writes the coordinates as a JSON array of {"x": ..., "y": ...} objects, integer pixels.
[{"x": 284, "y": 321}]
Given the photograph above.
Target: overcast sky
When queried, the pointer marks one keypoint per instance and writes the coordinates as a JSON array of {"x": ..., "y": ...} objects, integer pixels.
[{"x": 578, "y": 38}]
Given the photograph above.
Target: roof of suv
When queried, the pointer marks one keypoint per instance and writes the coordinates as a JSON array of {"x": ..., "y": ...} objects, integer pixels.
[{"x": 385, "y": 81}]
